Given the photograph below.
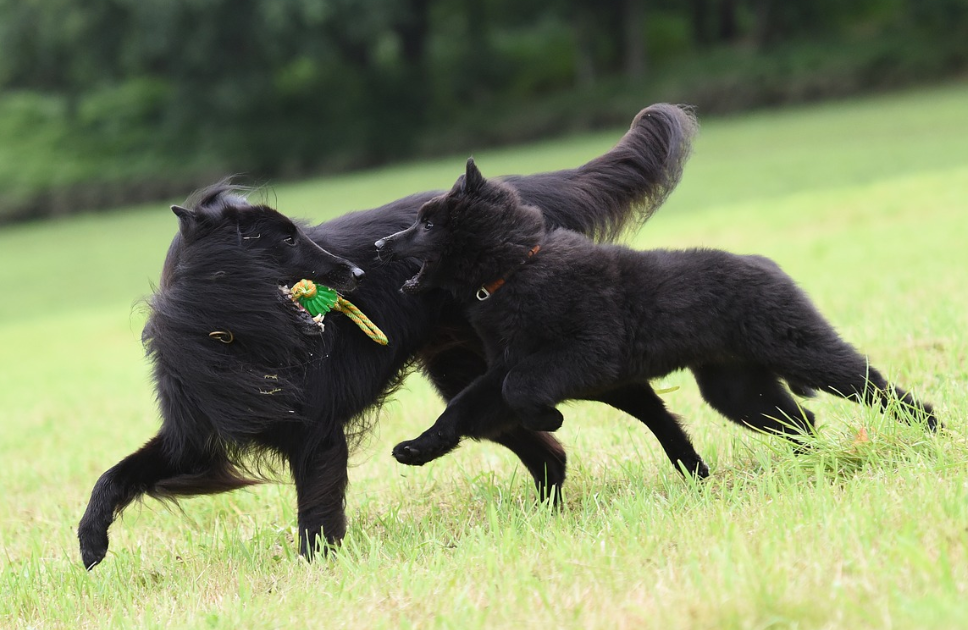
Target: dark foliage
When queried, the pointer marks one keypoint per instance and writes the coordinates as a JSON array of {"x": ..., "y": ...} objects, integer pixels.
[
  {"x": 189, "y": 88},
  {"x": 240, "y": 372},
  {"x": 562, "y": 318}
]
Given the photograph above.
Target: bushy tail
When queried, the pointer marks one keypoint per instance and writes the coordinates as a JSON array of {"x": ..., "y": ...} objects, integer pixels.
[
  {"x": 624, "y": 186},
  {"x": 222, "y": 476}
]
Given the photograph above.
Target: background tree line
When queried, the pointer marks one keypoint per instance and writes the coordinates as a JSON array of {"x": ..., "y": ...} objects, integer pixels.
[{"x": 133, "y": 94}]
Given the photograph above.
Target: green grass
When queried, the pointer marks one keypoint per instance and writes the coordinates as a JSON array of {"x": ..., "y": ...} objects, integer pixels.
[{"x": 863, "y": 202}]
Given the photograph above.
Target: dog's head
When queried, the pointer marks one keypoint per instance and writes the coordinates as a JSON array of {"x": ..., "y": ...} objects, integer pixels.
[
  {"x": 228, "y": 346},
  {"x": 468, "y": 236},
  {"x": 228, "y": 227}
]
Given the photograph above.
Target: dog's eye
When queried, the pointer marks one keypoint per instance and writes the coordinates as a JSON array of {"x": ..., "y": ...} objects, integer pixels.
[
  {"x": 428, "y": 225},
  {"x": 289, "y": 240}
]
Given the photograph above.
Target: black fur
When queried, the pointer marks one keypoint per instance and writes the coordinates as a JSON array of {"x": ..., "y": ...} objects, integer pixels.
[
  {"x": 240, "y": 372},
  {"x": 576, "y": 319}
]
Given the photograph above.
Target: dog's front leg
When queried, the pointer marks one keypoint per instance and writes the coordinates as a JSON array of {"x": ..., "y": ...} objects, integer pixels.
[
  {"x": 477, "y": 412},
  {"x": 321, "y": 479}
]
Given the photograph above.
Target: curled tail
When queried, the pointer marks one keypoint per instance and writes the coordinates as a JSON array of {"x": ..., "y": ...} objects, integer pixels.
[{"x": 622, "y": 187}]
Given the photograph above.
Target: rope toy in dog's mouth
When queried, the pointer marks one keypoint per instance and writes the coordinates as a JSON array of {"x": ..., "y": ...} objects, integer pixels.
[{"x": 319, "y": 300}]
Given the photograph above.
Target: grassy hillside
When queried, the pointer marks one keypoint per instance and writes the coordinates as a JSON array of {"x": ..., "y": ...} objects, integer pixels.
[{"x": 862, "y": 202}]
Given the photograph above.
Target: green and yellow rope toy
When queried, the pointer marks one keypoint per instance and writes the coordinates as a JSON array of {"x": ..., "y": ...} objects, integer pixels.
[{"x": 319, "y": 300}]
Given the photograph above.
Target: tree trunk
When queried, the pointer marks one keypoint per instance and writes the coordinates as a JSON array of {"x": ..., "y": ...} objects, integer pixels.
[
  {"x": 728, "y": 27},
  {"x": 413, "y": 29},
  {"x": 633, "y": 14},
  {"x": 581, "y": 25},
  {"x": 767, "y": 28},
  {"x": 699, "y": 17}
]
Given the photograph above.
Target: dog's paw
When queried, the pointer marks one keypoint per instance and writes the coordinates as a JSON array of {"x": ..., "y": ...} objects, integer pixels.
[
  {"x": 422, "y": 450},
  {"x": 94, "y": 546},
  {"x": 409, "y": 455},
  {"x": 547, "y": 420},
  {"x": 700, "y": 470},
  {"x": 692, "y": 466}
]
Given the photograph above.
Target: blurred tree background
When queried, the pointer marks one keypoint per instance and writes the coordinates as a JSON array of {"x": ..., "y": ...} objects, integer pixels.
[{"x": 110, "y": 101}]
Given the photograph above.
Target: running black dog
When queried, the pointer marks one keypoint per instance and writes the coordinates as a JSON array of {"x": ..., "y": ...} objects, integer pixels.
[
  {"x": 562, "y": 317},
  {"x": 240, "y": 372}
]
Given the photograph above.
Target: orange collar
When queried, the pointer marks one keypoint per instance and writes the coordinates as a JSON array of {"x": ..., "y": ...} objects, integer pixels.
[{"x": 487, "y": 289}]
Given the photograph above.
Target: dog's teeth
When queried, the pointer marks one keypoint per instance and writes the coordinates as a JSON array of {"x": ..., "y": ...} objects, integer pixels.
[{"x": 318, "y": 318}]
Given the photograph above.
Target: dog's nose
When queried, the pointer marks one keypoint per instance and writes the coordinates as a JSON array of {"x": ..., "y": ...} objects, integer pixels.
[
  {"x": 380, "y": 243},
  {"x": 357, "y": 273}
]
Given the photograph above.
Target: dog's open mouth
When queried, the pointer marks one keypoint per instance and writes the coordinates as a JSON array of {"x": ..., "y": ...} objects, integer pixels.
[
  {"x": 415, "y": 284},
  {"x": 305, "y": 316}
]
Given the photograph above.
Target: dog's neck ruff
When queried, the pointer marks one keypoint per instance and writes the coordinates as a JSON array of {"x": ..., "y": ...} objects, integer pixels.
[{"x": 487, "y": 289}]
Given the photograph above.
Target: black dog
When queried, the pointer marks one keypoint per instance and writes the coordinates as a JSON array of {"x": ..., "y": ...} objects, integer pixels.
[
  {"x": 240, "y": 372},
  {"x": 562, "y": 317}
]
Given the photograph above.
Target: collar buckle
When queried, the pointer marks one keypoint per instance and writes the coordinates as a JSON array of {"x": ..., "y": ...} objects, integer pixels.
[{"x": 487, "y": 289}]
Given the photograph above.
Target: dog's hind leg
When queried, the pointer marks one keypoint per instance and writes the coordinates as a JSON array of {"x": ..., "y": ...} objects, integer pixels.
[
  {"x": 321, "y": 478},
  {"x": 114, "y": 490},
  {"x": 152, "y": 469},
  {"x": 753, "y": 396},
  {"x": 640, "y": 401},
  {"x": 840, "y": 370},
  {"x": 543, "y": 456}
]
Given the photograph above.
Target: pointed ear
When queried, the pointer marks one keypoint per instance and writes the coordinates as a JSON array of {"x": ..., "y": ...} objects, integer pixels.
[
  {"x": 473, "y": 180},
  {"x": 186, "y": 218}
]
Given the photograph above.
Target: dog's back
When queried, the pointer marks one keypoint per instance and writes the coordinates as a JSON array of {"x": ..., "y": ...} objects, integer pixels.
[{"x": 643, "y": 314}]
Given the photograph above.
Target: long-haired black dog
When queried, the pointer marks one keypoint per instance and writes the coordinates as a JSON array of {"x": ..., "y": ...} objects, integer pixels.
[
  {"x": 562, "y": 317},
  {"x": 238, "y": 371}
]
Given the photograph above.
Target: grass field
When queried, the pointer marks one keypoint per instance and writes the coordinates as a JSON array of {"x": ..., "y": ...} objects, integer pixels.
[{"x": 863, "y": 202}]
